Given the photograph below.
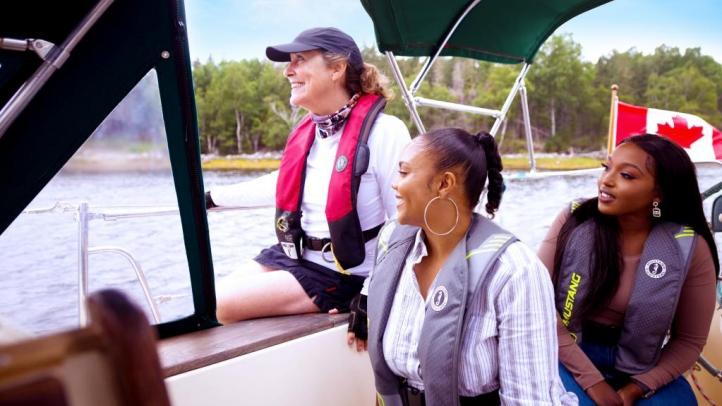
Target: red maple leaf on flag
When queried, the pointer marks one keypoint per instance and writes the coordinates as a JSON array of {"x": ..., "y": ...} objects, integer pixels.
[{"x": 679, "y": 132}]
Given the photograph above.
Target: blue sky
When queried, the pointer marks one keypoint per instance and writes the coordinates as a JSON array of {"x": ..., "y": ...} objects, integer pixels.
[{"x": 238, "y": 29}]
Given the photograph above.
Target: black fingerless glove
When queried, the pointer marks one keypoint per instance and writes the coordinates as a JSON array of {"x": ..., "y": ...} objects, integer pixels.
[
  {"x": 358, "y": 318},
  {"x": 209, "y": 202}
]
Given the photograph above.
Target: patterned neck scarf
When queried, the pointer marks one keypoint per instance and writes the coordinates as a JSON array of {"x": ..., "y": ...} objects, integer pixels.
[{"x": 331, "y": 123}]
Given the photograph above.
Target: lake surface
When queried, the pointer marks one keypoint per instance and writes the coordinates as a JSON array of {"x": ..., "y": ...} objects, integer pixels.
[{"x": 39, "y": 252}]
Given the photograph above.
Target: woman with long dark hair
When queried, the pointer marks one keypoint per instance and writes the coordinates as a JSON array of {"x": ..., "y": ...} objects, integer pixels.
[
  {"x": 634, "y": 271},
  {"x": 460, "y": 311}
]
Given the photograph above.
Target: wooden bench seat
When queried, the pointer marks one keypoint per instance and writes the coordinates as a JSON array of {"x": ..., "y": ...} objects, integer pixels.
[{"x": 196, "y": 350}]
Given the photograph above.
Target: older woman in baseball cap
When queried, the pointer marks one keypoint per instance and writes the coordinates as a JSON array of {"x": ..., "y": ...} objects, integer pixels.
[{"x": 332, "y": 191}]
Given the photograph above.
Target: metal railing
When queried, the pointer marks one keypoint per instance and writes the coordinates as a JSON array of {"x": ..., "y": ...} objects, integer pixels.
[{"x": 83, "y": 215}]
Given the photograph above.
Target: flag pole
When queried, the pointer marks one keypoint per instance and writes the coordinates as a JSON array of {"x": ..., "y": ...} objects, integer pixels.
[{"x": 612, "y": 120}]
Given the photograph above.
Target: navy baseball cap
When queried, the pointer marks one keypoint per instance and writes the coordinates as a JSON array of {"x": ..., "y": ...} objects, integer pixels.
[{"x": 326, "y": 38}]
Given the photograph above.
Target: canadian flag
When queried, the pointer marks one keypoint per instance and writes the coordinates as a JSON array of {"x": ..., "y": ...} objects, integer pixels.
[{"x": 702, "y": 142}]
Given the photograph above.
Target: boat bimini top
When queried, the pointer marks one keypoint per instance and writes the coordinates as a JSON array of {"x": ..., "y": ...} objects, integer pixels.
[{"x": 500, "y": 31}]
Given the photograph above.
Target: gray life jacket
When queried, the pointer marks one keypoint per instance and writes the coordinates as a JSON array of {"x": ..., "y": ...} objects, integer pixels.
[
  {"x": 446, "y": 316},
  {"x": 658, "y": 282}
]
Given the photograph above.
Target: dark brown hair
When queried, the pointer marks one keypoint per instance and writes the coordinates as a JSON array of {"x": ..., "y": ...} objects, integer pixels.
[
  {"x": 478, "y": 158},
  {"x": 681, "y": 203}
]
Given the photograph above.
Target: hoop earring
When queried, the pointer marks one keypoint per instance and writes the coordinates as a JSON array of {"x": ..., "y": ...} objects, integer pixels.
[
  {"x": 426, "y": 211},
  {"x": 656, "y": 211}
]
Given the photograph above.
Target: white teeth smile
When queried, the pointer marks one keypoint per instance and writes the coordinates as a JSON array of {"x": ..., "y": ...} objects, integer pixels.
[
  {"x": 296, "y": 85},
  {"x": 605, "y": 196}
]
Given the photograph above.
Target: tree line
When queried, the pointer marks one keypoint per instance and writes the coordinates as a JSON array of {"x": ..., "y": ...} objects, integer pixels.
[{"x": 243, "y": 105}]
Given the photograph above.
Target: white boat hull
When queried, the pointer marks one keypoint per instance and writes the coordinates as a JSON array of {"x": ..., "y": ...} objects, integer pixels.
[{"x": 317, "y": 369}]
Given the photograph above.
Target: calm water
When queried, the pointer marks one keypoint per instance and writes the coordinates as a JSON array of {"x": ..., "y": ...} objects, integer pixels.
[{"x": 39, "y": 252}]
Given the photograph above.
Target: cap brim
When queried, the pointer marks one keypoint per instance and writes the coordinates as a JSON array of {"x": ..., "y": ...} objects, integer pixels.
[{"x": 281, "y": 53}]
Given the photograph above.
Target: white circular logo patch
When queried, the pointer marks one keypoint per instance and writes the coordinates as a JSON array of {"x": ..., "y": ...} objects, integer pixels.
[
  {"x": 341, "y": 163},
  {"x": 439, "y": 298},
  {"x": 655, "y": 268}
]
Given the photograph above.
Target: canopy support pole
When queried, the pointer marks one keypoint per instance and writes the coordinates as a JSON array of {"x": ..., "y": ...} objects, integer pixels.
[
  {"x": 408, "y": 98},
  {"x": 430, "y": 61},
  {"x": 510, "y": 98},
  {"x": 422, "y": 101},
  {"x": 55, "y": 58},
  {"x": 411, "y": 102},
  {"x": 527, "y": 127}
]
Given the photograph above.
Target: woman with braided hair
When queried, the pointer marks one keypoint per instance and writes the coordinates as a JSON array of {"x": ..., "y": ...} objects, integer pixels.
[{"x": 459, "y": 311}]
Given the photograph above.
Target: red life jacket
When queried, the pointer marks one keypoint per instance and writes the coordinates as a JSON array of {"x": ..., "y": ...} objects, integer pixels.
[{"x": 352, "y": 159}]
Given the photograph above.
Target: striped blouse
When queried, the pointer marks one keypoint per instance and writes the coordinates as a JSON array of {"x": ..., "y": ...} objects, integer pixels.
[{"x": 510, "y": 341}]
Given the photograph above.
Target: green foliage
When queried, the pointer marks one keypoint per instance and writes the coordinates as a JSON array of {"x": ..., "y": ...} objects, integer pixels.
[
  {"x": 243, "y": 105},
  {"x": 563, "y": 99},
  {"x": 684, "y": 89}
]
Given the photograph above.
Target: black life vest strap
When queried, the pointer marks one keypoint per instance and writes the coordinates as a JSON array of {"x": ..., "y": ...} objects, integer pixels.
[{"x": 317, "y": 244}]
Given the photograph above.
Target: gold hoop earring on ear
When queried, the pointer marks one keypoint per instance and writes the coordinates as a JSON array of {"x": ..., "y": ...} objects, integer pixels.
[{"x": 426, "y": 211}]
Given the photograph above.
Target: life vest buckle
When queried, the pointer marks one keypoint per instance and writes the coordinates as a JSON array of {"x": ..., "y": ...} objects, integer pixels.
[{"x": 328, "y": 248}]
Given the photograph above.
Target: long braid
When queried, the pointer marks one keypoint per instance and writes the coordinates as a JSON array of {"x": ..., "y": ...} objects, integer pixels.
[{"x": 493, "y": 167}]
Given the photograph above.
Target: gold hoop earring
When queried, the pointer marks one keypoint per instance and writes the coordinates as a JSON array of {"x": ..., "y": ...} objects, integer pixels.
[{"x": 426, "y": 211}]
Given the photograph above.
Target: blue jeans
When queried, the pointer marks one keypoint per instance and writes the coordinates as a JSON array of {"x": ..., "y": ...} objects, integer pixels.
[{"x": 677, "y": 392}]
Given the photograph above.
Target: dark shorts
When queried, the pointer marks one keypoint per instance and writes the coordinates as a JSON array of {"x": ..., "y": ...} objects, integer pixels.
[{"x": 329, "y": 289}]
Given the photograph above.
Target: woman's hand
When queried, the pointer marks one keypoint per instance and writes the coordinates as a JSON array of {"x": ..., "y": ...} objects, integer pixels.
[
  {"x": 353, "y": 341},
  {"x": 357, "y": 323},
  {"x": 630, "y": 393},
  {"x": 604, "y": 395}
]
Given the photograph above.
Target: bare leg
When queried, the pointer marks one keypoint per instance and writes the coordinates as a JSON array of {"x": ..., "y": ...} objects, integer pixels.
[
  {"x": 250, "y": 267},
  {"x": 258, "y": 292}
]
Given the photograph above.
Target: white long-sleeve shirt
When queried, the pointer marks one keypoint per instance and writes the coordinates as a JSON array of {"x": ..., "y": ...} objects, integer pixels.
[
  {"x": 510, "y": 341},
  {"x": 376, "y": 200}
]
